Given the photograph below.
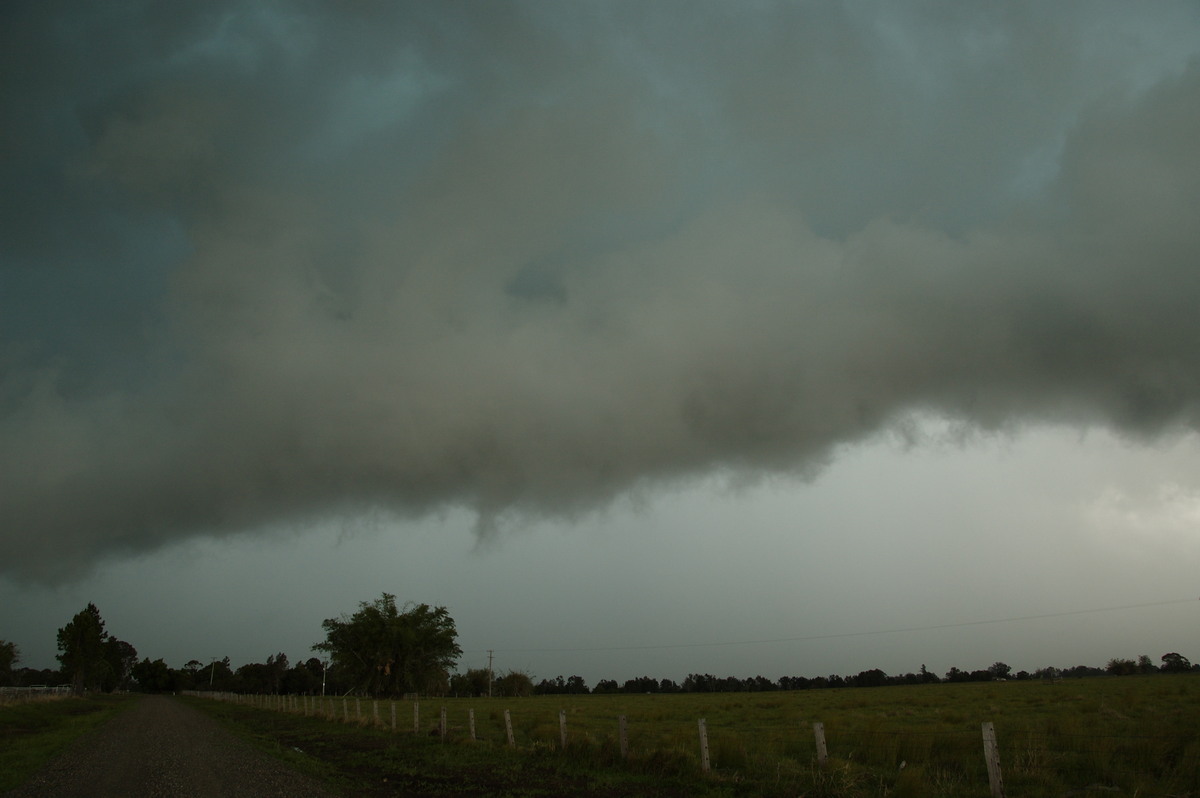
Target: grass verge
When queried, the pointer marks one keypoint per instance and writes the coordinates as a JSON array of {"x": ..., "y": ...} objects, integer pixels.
[{"x": 34, "y": 732}]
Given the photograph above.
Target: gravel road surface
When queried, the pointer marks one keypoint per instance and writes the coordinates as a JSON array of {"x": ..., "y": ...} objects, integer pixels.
[{"x": 160, "y": 748}]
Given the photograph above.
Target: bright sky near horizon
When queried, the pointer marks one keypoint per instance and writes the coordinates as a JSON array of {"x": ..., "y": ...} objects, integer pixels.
[{"x": 775, "y": 338}]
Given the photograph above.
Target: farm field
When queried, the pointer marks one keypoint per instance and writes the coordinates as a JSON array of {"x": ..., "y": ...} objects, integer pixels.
[{"x": 1138, "y": 735}]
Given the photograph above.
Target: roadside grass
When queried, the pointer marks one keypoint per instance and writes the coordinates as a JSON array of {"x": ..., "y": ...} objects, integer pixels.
[
  {"x": 34, "y": 732},
  {"x": 1134, "y": 734}
]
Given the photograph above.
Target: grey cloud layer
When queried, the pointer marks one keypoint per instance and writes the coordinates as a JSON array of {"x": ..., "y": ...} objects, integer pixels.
[{"x": 272, "y": 266}]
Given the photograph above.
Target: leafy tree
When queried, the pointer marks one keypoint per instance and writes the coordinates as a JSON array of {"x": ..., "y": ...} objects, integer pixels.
[
  {"x": 999, "y": 670},
  {"x": 156, "y": 677},
  {"x": 1121, "y": 667},
  {"x": 472, "y": 683},
  {"x": 81, "y": 650},
  {"x": 303, "y": 677},
  {"x": 1175, "y": 663},
  {"x": 1145, "y": 665},
  {"x": 385, "y": 651},
  {"x": 120, "y": 657},
  {"x": 514, "y": 684},
  {"x": 10, "y": 655}
]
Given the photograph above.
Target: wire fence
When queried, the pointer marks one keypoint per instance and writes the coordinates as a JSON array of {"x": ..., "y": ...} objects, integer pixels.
[{"x": 952, "y": 760}]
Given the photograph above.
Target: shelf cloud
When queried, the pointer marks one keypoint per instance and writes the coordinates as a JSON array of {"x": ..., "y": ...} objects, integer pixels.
[{"x": 263, "y": 264}]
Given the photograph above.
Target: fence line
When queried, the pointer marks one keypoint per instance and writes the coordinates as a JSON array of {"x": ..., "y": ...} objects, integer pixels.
[{"x": 538, "y": 733}]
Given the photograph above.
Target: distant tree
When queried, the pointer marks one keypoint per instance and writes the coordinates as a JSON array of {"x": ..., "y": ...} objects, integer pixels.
[
  {"x": 955, "y": 675},
  {"x": 1175, "y": 663},
  {"x": 472, "y": 683},
  {"x": 761, "y": 684},
  {"x": 872, "y": 678},
  {"x": 1121, "y": 667},
  {"x": 217, "y": 675},
  {"x": 606, "y": 686},
  {"x": 514, "y": 684},
  {"x": 577, "y": 686},
  {"x": 1145, "y": 665},
  {"x": 155, "y": 676},
  {"x": 642, "y": 684},
  {"x": 303, "y": 678},
  {"x": 382, "y": 650},
  {"x": 10, "y": 655},
  {"x": 81, "y": 650},
  {"x": 668, "y": 686},
  {"x": 928, "y": 677},
  {"x": 277, "y": 666},
  {"x": 999, "y": 670}
]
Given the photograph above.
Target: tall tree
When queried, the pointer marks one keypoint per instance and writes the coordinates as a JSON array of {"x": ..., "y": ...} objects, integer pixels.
[
  {"x": 81, "y": 650},
  {"x": 120, "y": 657},
  {"x": 10, "y": 655},
  {"x": 383, "y": 650}
]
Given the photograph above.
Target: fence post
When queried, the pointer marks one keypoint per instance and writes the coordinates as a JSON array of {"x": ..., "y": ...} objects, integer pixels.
[
  {"x": 471, "y": 721},
  {"x": 345, "y": 710},
  {"x": 393, "y": 704},
  {"x": 375, "y": 712},
  {"x": 992, "y": 756},
  {"x": 704, "y": 765},
  {"x": 442, "y": 725},
  {"x": 416, "y": 717},
  {"x": 357, "y": 709},
  {"x": 822, "y": 752},
  {"x": 623, "y": 734},
  {"x": 562, "y": 728},
  {"x": 512, "y": 742}
]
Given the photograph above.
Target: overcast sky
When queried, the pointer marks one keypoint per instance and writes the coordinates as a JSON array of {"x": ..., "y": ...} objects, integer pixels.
[{"x": 649, "y": 338}]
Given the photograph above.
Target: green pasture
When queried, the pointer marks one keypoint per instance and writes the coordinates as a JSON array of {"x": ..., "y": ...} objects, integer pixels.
[{"x": 1135, "y": 734}]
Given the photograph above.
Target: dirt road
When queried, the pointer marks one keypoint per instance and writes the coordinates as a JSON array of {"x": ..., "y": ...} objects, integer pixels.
[{"x": 160, "y": 748}]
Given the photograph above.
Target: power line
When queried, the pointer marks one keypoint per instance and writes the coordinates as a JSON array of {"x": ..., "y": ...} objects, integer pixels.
[{"x": 839, "y": 635}]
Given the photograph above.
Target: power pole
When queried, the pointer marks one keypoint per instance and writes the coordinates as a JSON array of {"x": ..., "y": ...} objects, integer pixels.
[{"x": 489, "y": 673}]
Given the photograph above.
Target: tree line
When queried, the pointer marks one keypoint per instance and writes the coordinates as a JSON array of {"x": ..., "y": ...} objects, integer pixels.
[{"x": 384, "y": 649}]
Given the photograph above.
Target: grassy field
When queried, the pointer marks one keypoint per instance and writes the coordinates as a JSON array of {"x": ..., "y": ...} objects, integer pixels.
[
  {"x": 1138, "y": 735},
  {"x": 33, "y": 732}
]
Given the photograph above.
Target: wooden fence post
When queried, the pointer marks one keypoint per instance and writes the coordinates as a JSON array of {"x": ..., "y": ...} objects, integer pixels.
[
  {"x": 357, "y": 709},
  {"x": 992, "y": 756},
  {"x": 512, "y": 741},
  {"x": 374, "y": 712},
  {"x": 393, "y": 704},
  {"x": 442, "y": 725},
  {"x": 704, "y": 764},
  {"x": 623, "y": 734},
  {"x": 822, "y": 752},
  {"x": 416, "y": 717},
  {"x": 562, "y": 728},
  {"x": 345, "y": 710},
  {"x": 471, "y": 721}
]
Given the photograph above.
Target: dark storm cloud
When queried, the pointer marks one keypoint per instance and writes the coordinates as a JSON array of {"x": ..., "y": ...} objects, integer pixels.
[{"x": 266, "y": 263}]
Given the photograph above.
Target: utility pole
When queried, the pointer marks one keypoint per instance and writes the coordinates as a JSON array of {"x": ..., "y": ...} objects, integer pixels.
[
  {"x": 489, "y": 673},
  {"x": 211, "y": 671}
]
